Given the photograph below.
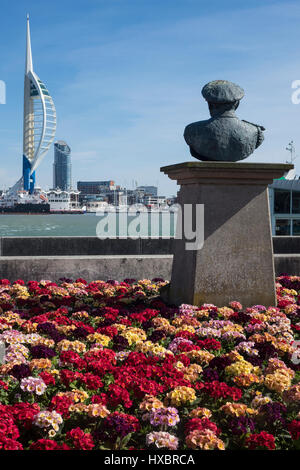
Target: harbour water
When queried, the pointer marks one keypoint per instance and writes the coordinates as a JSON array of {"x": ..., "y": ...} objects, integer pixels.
[{"x": 57, "y": 225}]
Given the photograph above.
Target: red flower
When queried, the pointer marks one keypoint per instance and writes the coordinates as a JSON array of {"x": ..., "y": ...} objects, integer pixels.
[
  {"x": 93, "y": 382},
  {"x": 100, "y": 398},
  {"x": 20, "y": 282},
  {"x": 263, "y": 439},
  {"x": 8, "y": 429},
  {"x": 186, "y": 335},
  {"x": 44, "y": 444},
  {"x": 82, "y": 281},
  {"x": 294, "y": 429},
  {"x": 80, "y": 439},
  {"x": 9, "y": 444},
  {"x": 61, "y": 404},
  {"x": 72, "y": 357},
  {"x": 3, "y": 385},
  {"x": 110, "y": 331},
  {"x": 217, "y": 390},
  {"x": 210, "y": 344},
  {"x": 185, "y": 347},
  {"x": 47, "y": 378},
  {"x": 25, "y": 413},
  {"x": 118, "y": 395},
  {"x": 67, "y": 376},
  {"x": 201, "y": 424}
]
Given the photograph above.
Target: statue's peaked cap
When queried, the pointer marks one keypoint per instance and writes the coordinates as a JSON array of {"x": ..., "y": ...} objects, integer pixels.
[{"x": 222, "y": 91}]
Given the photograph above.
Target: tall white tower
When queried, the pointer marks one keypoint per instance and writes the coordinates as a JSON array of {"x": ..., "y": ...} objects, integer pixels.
[{"x": 39, "y": 120}]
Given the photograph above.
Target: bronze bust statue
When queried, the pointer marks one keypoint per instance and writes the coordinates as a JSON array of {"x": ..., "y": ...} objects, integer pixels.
[{"x": 223, "y": 137}]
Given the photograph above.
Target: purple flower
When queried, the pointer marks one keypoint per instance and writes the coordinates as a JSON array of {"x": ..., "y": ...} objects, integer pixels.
[
  {"x": 242, "y": 317},
  {"x": 113, "y": 282},
  {"x": 255, "y": 361},
  {"x": 117, "y": 426},
  {"x": 220, "y": 362},
  {"x": 46, "y": 328},
  {"x": 42, "y": 351},
  {"x": 266, "y": 350},
  {"x": 80, "y": 332},
  {"x": 209, "y": 375},
  {"x": 273, "y": 414},
  {"x": 164, "y": 417},
  {"x": 20, "y": 371},
  {"x": 241, "y": 425},
  {"x": 130, "y": 281},
  {"x": 120, "y": 343},
  {"x": 157, "y": 336}
]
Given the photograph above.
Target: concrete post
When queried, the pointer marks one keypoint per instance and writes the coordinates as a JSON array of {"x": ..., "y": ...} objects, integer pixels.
[{"x": 236, "y": 260}]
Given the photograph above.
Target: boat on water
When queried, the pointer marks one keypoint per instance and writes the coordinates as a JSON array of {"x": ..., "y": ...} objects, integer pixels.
[{"x": 40, "y": 202}]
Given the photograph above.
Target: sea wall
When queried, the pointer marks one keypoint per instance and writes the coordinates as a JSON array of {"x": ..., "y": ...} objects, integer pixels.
[
  {"x": 88, "y": 267},
  {"x": 88, "y": 257},
  {"x": 87, "y": 246}
]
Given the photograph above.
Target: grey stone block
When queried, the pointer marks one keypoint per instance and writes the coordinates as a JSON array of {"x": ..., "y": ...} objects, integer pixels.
[
  {"x": 88, "y": 267},
  {"x": 236, "y": 260}
]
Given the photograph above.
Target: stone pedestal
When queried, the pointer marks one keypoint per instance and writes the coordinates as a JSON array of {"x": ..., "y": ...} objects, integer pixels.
[{"x": 236, "y": 259}]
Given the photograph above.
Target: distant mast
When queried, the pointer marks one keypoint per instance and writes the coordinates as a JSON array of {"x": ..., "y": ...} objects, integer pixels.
[
  {"x": 291, "y": 148},
  {"x": 39, "y": 119}
]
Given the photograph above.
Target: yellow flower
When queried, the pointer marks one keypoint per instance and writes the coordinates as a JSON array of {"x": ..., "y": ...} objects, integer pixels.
[
  {"x": 204, "y": 440},
  {"x": 237, "y": 409},
  {"x": 279, "y": 381},
  {"x": 134, "y": 335},
  {"x": 202, "y": 313},
  {"x": 99, "y": 338},
  {"x": 150, "y": 402},
  {"x": 40, "y": 364},
  {"x": 200, "y": 413},
  {"x": 44, "y": 341},
  {"x": 188, "y": 328},
  {"x": 202, "y": 356},
  {"x": 179, "y": 365},
  {"x": 225, "y": 311},
  {"x": 245, "y": 380},
  {"x": 76, "y": 346},
  {"x": 241, "y": 367},
  {"x": 97, "y": 410},
  {"x": 259, "y": 400},
  {"x": 181, "y": 395}
]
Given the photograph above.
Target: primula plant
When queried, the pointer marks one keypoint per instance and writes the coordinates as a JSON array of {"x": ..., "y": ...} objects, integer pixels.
[{"x": 108, "y": 365}]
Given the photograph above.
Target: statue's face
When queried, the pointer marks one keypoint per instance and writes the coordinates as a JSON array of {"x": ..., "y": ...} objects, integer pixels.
[{"x": 216, "y": 109}]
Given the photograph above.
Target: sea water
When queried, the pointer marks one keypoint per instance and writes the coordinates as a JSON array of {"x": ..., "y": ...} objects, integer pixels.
[{"x": 148, "y": 224}]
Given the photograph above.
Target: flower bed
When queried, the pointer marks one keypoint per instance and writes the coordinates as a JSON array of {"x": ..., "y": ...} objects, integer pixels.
[{"x": 108, "y": 365}]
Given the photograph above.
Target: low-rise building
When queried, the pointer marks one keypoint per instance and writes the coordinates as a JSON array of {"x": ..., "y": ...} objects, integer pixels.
[{"x": 284, "y": 197}]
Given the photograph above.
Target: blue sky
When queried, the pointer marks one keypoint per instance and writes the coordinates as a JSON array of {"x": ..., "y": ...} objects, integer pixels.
[{"x": 126, "y": 78}]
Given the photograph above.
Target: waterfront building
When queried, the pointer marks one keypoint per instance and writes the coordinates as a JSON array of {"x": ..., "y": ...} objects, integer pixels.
[
  {"x": 95, "y": 187},
  {"x": 154, "y": 201},
  {"x": 148, "y": 190},
  {"x": 62, "y": 167},
  {"x": 284, "y": 196},
  {"x": 39, "y": 121},
  {"x": 95, "y": 205}
]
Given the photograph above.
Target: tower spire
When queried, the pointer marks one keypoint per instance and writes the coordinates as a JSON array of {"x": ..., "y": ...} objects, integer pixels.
[{"x": 28, "y": 64}]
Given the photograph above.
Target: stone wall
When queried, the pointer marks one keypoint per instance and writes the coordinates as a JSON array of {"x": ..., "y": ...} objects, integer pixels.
[
  {"x": 34, "y": 258},
  {"x": 87, "y": 246}
]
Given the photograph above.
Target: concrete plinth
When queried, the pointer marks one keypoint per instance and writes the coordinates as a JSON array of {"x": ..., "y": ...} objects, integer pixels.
[{"x": 236, "y": 260}]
